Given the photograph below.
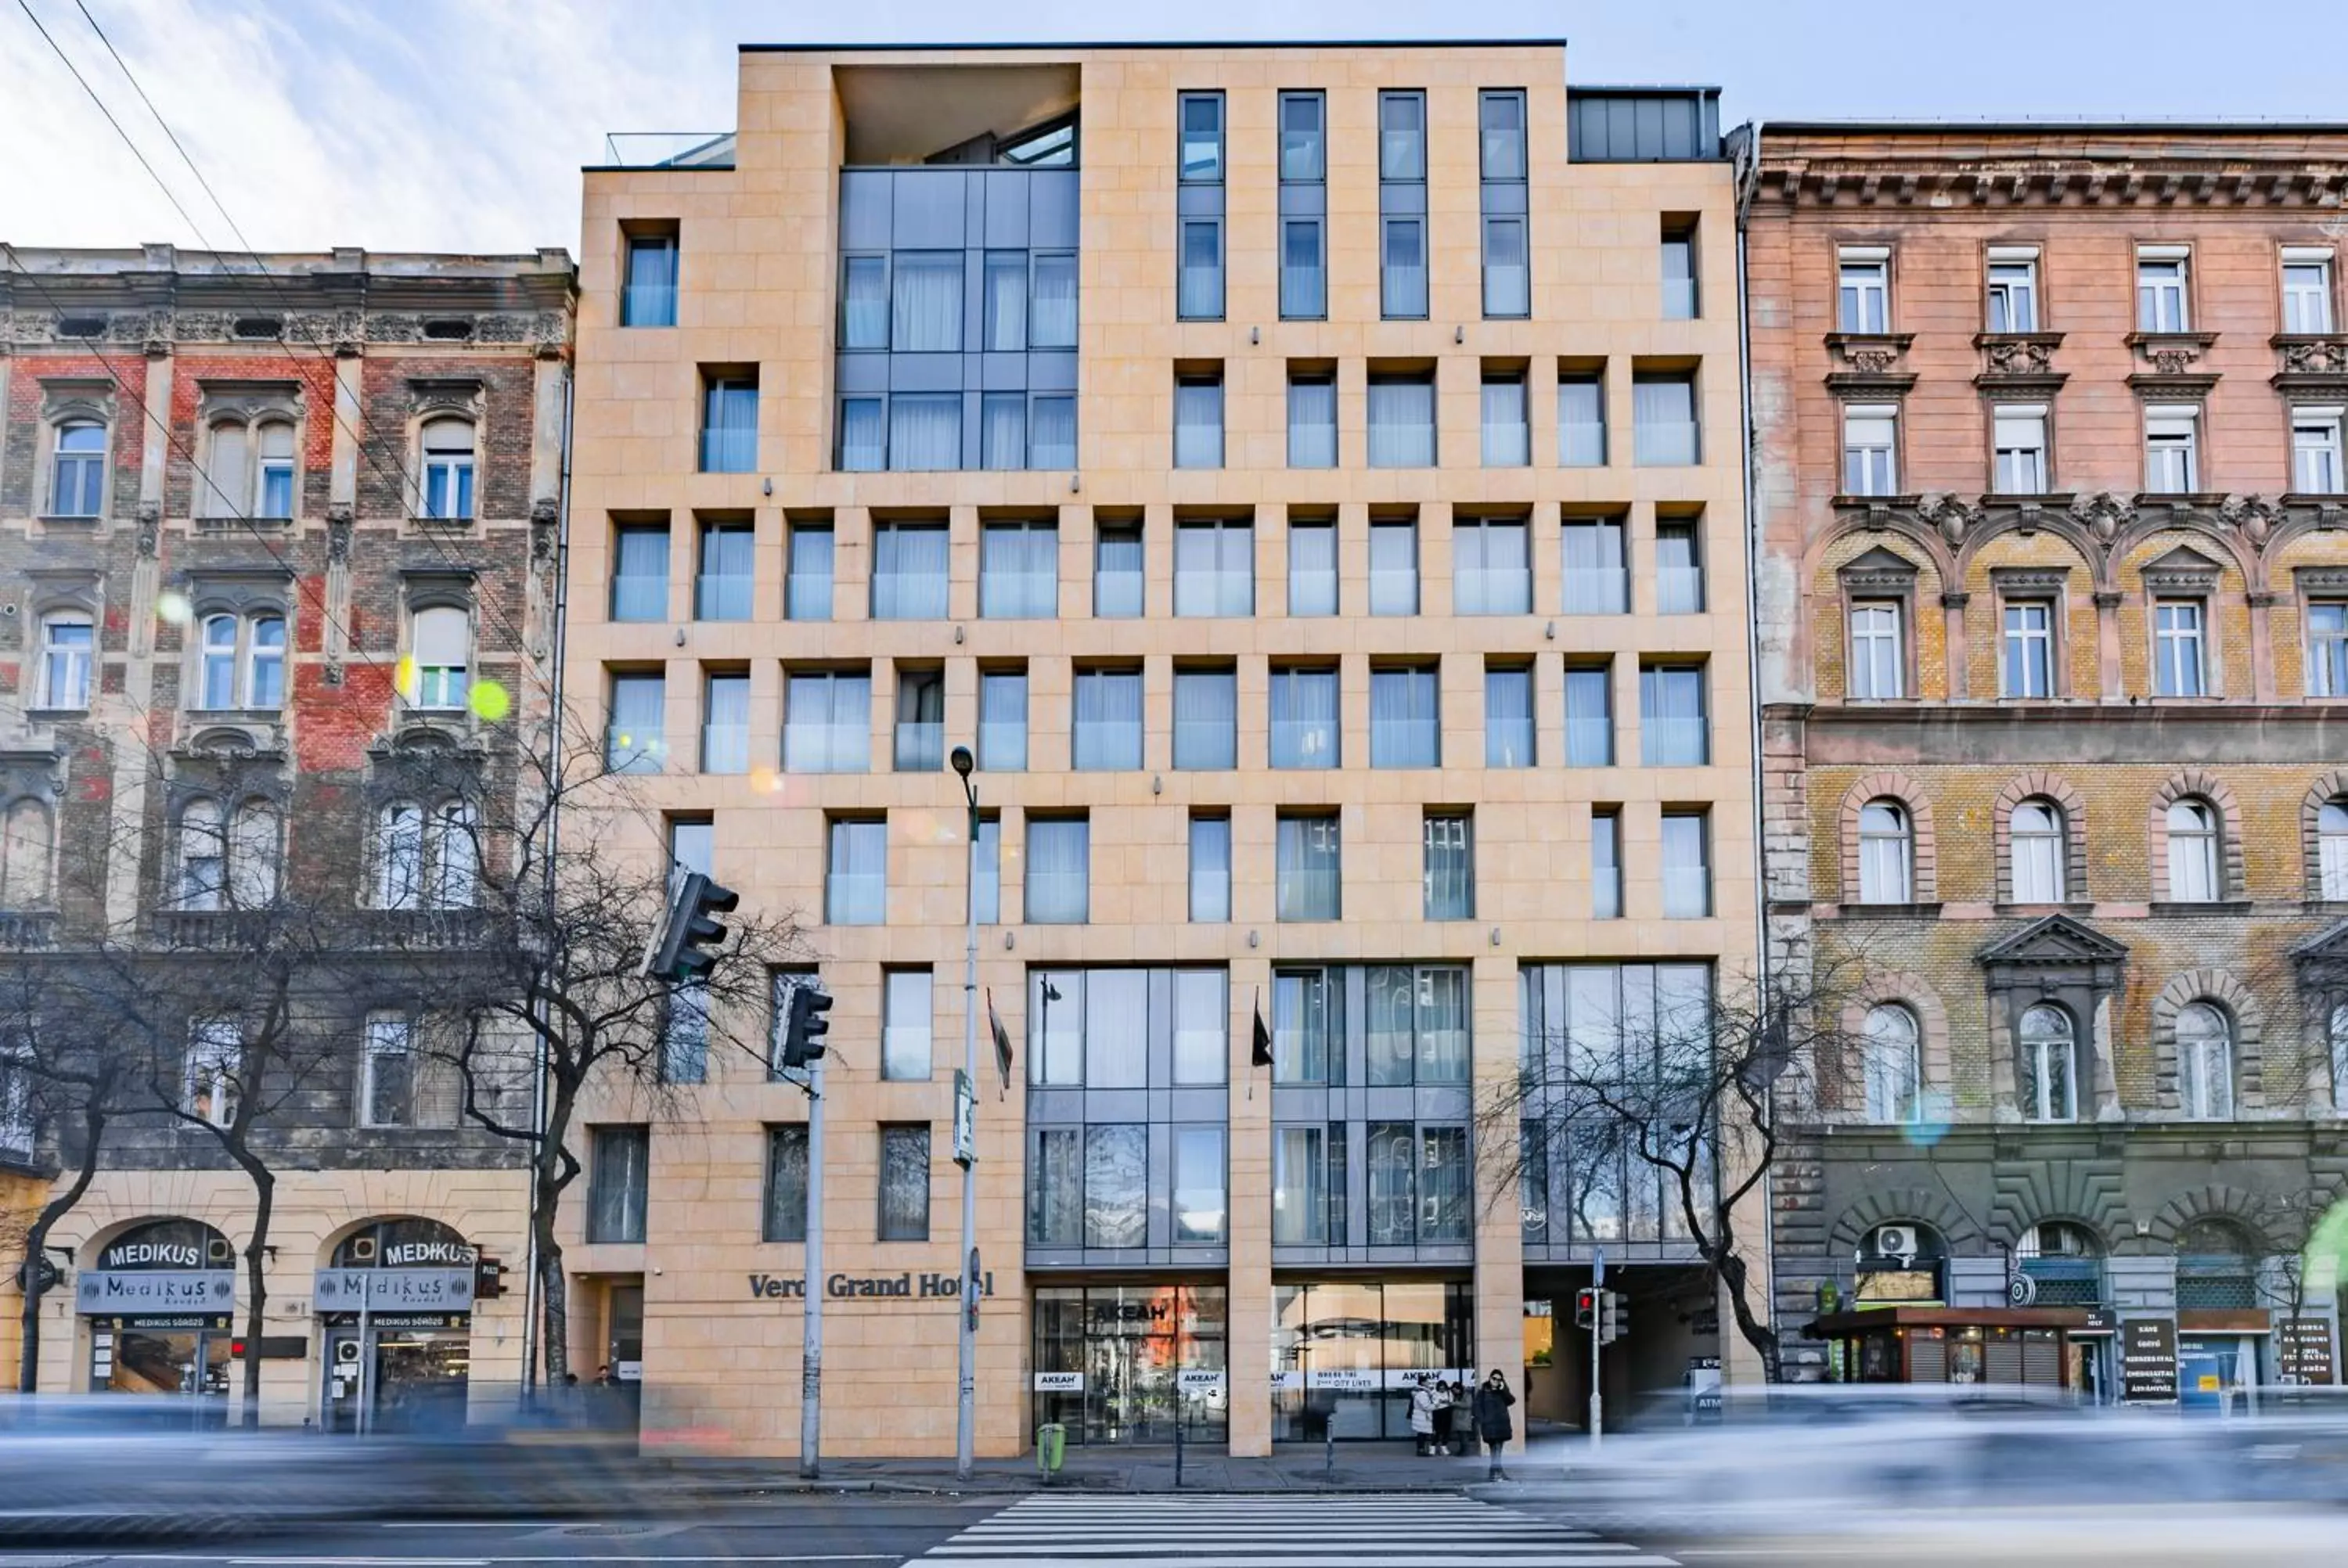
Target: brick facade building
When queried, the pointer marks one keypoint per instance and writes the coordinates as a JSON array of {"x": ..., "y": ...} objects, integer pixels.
[
  {"x": 2054, "y": 619},
  {"x": 278, "y": 547}
]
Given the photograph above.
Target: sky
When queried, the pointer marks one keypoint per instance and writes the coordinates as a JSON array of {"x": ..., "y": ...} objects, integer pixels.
[{"x": 461, "y": 125}]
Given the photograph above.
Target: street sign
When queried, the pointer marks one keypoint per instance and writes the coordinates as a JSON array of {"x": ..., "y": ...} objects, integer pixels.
[{"x": 965, "y": 1124}]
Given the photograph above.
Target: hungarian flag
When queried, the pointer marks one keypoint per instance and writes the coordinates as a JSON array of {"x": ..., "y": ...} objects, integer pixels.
[
  {"x": 1261, "y": 1055},
  {"x": 1001, "y": 1043}
]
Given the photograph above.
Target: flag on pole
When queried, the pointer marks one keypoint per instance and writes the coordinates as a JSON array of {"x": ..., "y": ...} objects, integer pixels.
[
  {"x": 1261, "y": 1055},
  {"x": 1001, "y": 1043}
]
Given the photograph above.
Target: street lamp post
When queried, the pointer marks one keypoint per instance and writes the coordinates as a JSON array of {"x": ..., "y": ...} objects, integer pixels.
[{"x": 966, "y": 1365}]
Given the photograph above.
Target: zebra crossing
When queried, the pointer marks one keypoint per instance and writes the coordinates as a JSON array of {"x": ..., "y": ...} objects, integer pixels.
[{"x": 1259, "y": 1530}]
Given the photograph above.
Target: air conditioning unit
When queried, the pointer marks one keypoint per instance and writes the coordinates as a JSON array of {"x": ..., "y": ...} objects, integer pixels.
[
  {"x": 1895, "y": 1240},
  {"x": 218, "y": 1251},
  {"x": 362, "y": 1249},
  {"x": 347, "y": 1350}
]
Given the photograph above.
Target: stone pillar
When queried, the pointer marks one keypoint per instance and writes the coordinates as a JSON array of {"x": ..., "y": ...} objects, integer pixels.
[
  {"x": 1499, "y": 1226},
  {"x": 1247, "y": 1330},
  {"x": 2263, "y": 677},
  {"x": 2108, "y": 645},
  {"x": 1952, "y": 612}
]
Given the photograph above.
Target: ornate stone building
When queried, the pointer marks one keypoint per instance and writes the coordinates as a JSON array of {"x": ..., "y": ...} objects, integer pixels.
[
  {"x": 2054, "y": 604},
  {"x": 277, "y": 557}
]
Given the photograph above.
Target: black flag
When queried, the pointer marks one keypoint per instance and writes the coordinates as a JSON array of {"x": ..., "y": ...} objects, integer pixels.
[
  {"x": 1261, "y": 1056},
  {"x": 1001, "y": 1043}
]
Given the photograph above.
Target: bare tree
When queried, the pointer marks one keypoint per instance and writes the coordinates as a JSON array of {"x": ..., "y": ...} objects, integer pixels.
[{"x": 1692, "y": 1089}]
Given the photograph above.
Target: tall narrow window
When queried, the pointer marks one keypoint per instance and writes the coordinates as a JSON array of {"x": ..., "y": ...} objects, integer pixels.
[
  {"x": 1394, "y": 567},
  {"x": 721, "y": 588},
  {"x": 648, "y": 298},
  {"x": 1673, "y": 724},
  {"x": 925, "y": 301},
  {"x": 77, "y": 470},
  {"x": 1506, "y": 442},
  {"x": 904, "y": 1184},
  {"x": 2316, "y": 468},
  {"x": 2180, "y": 664},
  {"x": 2039, "y": 851},
  {"x": 2327, "y": 648},
  {"x": 448, "y": 470},
  {"x": 1307, "y": 867},
  {"x": 1059, "y": 870},
  {"x": 1052, "y": 310},
  {"x": 1214, "y": 568},
  {"x": 2307, "y": 291},
  {"x": 272, "y": 470},
  {"x": 1406, "y": 720},
  {"x": 2013, "y": 290},
  {"x": 1402, "y": 201},
  {"x": 1003, "y": 287},
  {"x": 1019, "y": 571},
  {"x": 907, "y": 1005},
  {"x": 1605, "y": 866},
  {"x": 217, "y": 677},
  {"x": 863, "y": 435},
  {"x": 1402, "y": 420},
  {"x": 1106, "y": 732},
  {"x": 1200, "y": 1201},
  {"x": 1206, "y": 719},
  {"x": 1311, "y": 420},
  {"x": 864, "y": 302},
  {"x": 1402, "y": 260},
  {"x": 1863, "y": 295},
  {"x": 1303, "y": 278},
  {"x": 1887, "y": 854},
  {"x": 730, "y": 423},
  {"x": 827, "y": 722},
  {"x": 856, "y": 880},
  {"x": 920, "y": 731},
  {"x": 806, "y": 589},
  {"x": 908, "y": 571},
  {"x": 1301, "y": 150},
  {"x": 2046, "y": 1080},
  {"x": 1491, "y": 566},
  {"x": 1679, "y": 569},
  {"x": 25, "y": 856},
  {"x": 618, "y": 1182},
  {"x": 1507, "y": 716},
  {"x": 2332, "y": 851},
  {"x": 1211, "y": 868},
  {"x": 784, "y": 1212},
  {"x": 986, "y": 882},
  {"x": 726, "y": 723},
  {"x": 1198, "y": 420},
  {"x": 1304, "y": 206},
  {"x": 2161, "y": 303},
  {"x": 1117, "y": 582},
  {"x": 1869, "y": 446},
  {"x": 1500, "y": 157},
  {"x": 1312, "y": 568},
  {"x": 1687, "y": 867},
  {"x": 1003, "y": 721},
  {"x": 1304, "y": 705},
  {"x": 2172, "y": 457},
  {"x": 1581, "y": 421},
  {"x": 2194, "y": 853},
  {"x": 1449, "y": 856},
  {"x": 215, "y": 1065},
  {"x": 1879, "y": 659},
  {"x": 1894, "y": 1064},
  {"x": 2029, "y": 663},
  {"x": 1589, "y": 717},
  {"x": 1679, "y": 274},
  {"x": 1663, "y": 423},
  {"x": 640, "y": 572},
  {"x": 222, "y": 489},
  {"x": 634, "y": 742},
  {"x": 1199, "y": 293}
]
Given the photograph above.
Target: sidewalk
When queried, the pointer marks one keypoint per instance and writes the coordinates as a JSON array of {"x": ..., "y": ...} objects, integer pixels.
[{"x": 1358, "y": 1468}]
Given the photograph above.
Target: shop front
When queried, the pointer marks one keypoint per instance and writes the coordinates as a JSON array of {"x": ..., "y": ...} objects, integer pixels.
[
  {"x": 158, "y": 1303},
  {"x": 2218, "y": 1360},
  {"x": 395, "y": 1306},
  {"x": 1128, "y": 1363},
  {"x": 1346, "y": 1353},
  {"x": 1989, "y": 1347}
]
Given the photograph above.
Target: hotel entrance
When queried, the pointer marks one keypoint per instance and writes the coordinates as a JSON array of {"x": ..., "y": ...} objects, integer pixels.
[{"x": 1126, "y": 1363}]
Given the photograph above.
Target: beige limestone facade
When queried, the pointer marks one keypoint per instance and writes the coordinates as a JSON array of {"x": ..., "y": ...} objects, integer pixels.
[{"x": 1209, "y": 1298}]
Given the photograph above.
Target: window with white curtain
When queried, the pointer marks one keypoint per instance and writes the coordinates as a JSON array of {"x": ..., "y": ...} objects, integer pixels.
[
  {"x": 1307, "y": 867},
  {"x": 1312, "y": 421},
  {"x": 1107, "y": 734},
  {"x": 1491, "y": 566},
  {"x": 1508, "y": 286},
  {"x": 1402, "y": 420},
  {"x": 1304, "y": 269},
  {"x": 1580, "y": 421},
  {"x": 2039, "y": 851},
  {"x": 863, "y": 435},
  {"x": 721, "y": 588},
  {"x": 1506, "y": 442},
  {"x": 648, "y": 297},
  {"x": 925, "y": 301},
  {"x": 1003, "y": 430},
  {"x": 1663, "y": 419},
  {"x": 908, "y": 571},
  {"x": 924, "y": 432},
  {"x": 68, "y": 642},
  {"x": 855, "y": 879},
  {"x": 1507, "y": 716},
  {"x": 27, "y": 858},
  {"x": 1003, "y": 721},
  {"x": 2195, "y": 853},
  {"x": 1206, "y": 719},
  {"x": 1687, "y": 865},
  {"x": 635, "y": 741},
  {"x": 920, "y": 731},
  {"x": 864, "y": 302},
  {"x": 2332, "y": 851},
  {"x": 1214, "y": 568},
  {"x": 1052, "y": 310},
  {"x": 1596, "y": 579},
  {"x": 907, "y": 1005},
  {"x": 1500, "y": 158},
  {"x": 1199, "y": 421},
  {"x": 2205, "y": 1063},
  {"x": 827, "y": 722},
  {"x": 1672, "y": 721},
  {"x": 1879, "y": 659},
  {"x": 1894, "y": 1064},
  {"x": 1305, "y": 719},
  {"x": 220, "y": 488},
  {"x": 1199, "y": 288},
  {"x": 730, "y": 423},
  {"x": 1887, "y": 854},
  {"x": 1312, "y": 568},
  {"x": 1211, "y": 868},
  {"x": 1589, "y": 716},
  {"x": 640, "y": 572},
  {"x": 1394, "y": 567},
  {"x": 1059, "y": 870},
  {"x": 1117, "y": 582},
  {"x": 1004, "y": 288},
  {"x": 1401, "y": 295},
  {"x": 1679, "y": 567},
  {"x": 1405, "y": 720},
  {"x": 807, "y": 575},
  {"x": 1019, "y": 570}
]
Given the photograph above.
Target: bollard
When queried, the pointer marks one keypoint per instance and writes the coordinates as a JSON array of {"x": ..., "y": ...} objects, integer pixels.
[
  {"x": 1178, "y": 1447},
  {"x": 1329, "y": 1453},
  {"x": 1051, "y": 1450}
]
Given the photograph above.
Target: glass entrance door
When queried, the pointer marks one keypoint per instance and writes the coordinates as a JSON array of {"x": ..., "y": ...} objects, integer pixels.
[
  {"x": 128, "y": 1358},
  {"x": 1130, "y": 1390},
  {"x": 1121, "y": 1364}
]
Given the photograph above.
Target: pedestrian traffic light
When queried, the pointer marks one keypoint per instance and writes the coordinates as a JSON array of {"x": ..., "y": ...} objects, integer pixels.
[
  {"x": 687, "y": 947},
  {"x": 1609, "y": 1316},
  {"x": 1585, "y": 1308},
  {"x": 804, "y": 1029}
]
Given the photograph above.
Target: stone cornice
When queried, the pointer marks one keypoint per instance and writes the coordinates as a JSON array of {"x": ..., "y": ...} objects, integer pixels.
[{"x": 2029, "y": 178}]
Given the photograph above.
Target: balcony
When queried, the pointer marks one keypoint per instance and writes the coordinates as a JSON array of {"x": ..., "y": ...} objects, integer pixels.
[
  {"x": 213, "y": 930},
  {"x": 1666, "y": 443},
  {"x": 1581, "y": 443},
  {"x": 921, "y": 747},
  {"x": 1596, "y": 591},
  {"x": 1308, "y": 895},
  {"x": 669, "y": 150},
  {"x": 729, "y": 451},
  {"x": 1674, "y": 742},
  {"x": 1679, "y": 590},
  {"x": 720, "y": 596}
]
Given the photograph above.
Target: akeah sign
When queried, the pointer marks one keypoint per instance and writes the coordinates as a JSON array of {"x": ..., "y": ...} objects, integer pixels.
[{"x": 850, "y": 1286}]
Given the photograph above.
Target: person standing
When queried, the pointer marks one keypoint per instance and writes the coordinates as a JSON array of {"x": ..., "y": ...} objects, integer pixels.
[
  {"x": 1493, "y": 1422},
  {"x": 1423, "y": 1398},
  {"x": 1446, "y": 1400}
]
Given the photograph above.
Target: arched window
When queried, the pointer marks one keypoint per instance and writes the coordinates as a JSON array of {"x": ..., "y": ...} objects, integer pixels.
[
  {"x": 264, "y": 663},
  {"x": 440, "y": 653},
  {"x": 1894, "y": 1064},
  {"x": 455, "y": 863},
  {"x": 448, "y": 469},
  {"x": 2040, "y": 853},
  {"x": 2205, "y": 1063},
  {"x": 2339, "y": 1032},
  {"x": 2064, "y": 1261},
  {"x": 216, "y": 681},
  {"x": 399, "y": 856},
  {"x": 2193, "y": 852},
  {"x": 24, "y": 868},
  {"x": 273, "y": 475},
  {"x": 427, "y": 859},
  {"x": 253, "y": 846},
  {"x": 67, "y": 640},
  {"x": 77, "y": 473},
  {"x": 2047, "y": 1066},
  {"x": 2331, "y": 850},
  {"x": 203, "y": 855},
  {"x": 1885, "y": 853},
  {"x": 2217, "y": 1267}
]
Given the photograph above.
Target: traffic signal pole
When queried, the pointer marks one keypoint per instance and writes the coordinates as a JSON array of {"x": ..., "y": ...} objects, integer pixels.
[
  {"x": 812, "y": 1338},
  {"x": 1597, "y": 1344}
]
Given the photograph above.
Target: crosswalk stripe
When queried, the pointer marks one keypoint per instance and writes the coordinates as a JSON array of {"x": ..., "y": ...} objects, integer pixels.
[{"x": 1413, "y": 1556}]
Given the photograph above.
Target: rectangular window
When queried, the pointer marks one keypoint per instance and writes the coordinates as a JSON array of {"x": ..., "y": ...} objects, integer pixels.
[
  {"x": 1198, "y": 1199},
  {"x": 1201, "y": 118},
  {"x": 925, "y": 301},
  {"x": 1301, "y": 1196},
  {"x": 1507, "y": 443},
  {"x": 1443, "y": 1184},
  {"x": 1003, "y": 721},
  {"x": 2316, "y": 468},
  {"x": 1312, "y": 568},
  {"x": 1507, "y": 716},
  {"x": 2029, "y": 648},
  {"x": 1199, "y": 421},
  {"x": 726, "y": 723},
  {"x": 1687, "y": 867},
  {"x": 618, "y": 1168},
  {"x": 1870, "y": 463},
  {"x": 1052, "y": 437},
  {"x": 2019, "y": 449},
  {"x": 1055, "y": 1187},
  {"x": 1401, "y": 136},
  {"x": 855, "y": 879},
  {"x": 1214, "y": 568},
  {"x": 692, "y": 845},
  {"x": 1304, "y": 270},
  {"x": 640, "y": 572},
  {"x": 907, "y": 1005},
  {"x": 785, "y": 1213},
  {"x": 685, "y": 1035},
  {"x": 1679, "y": 275},
  {"x": 2013, "y": 290},
  {"x": 648, "y": 297},
  {"x": 635, "y": 743},
  {"x": 1117, "y": 1184},
  {"x": 904, "y": 1183},
  {"x": 1402, "y": 420},
  {"x": 863, "y": 435},
  {"x": 1117, "y": 572},
  {"x": 1199, "y": 292},
  {"x": 1106, "y": 735},
  {"x": 1508, "y": 288},
  {"x": 1392, "y": 1183},
  {"x": 921, "y": 725},
  {"x": 1394, "y": 567},
  {"x": 1202, "y": 1012},
  {"x": 908, "y": 571},
  {"x": 1311, "y": 420},
  {"x": 806, "y": 582},
  {"x": 1582, "y": 421},
  {"x": 1450, "y": 865},
  {"x": 1500, "y": 128},
  {"x": 2161, "y": 279},
  {"x": 1401, "y": 295},
  {"x": 827, "y": 722},
  {"x": 721, "y": 591},
  {"x": 1303, "y": 236},
  {"x": 1210, "y": 869},
  {"x": 1059, "y": 870},
  {"x": 1305, "y": 719},
  {"x": 1589, "y": 717},
  {"x": 2172, "y": 450},
  {"x": 1116, "y": 1044},
  {"x": 1863, "y": 295},
  {"x": 1672, "y": 722},
  {"x": 1491, "y": 566},
  {"x": 1206, "y": 719},
  {"x": 1003, "y": 287},
  {"x": 1879, "y": 659},
  {"x": 1606, "y": 865},
  {"x": 924, "y": 432},
  {"x": 1405, "y": 726},
  {"x": 864, "y": 302},
  {"x": 1019, "y": 571},
  {"x": 1679, "y": 569},
  {"x": 2307, "y": 293},
  {"x": 1597, "y": 581},
  {"x": 387, "y": 1095},
  {"x": 1308, "y": 1027},
  {"x": 1002, "y": 431},
  {"x": 1307, "y": 863},
  {"x": 1302, "y": 158},
  {"x": 1052, "y": 310},
  {"x": 730, "y": 423},
  {"x": 2327, "y": 648},
  {"x": 1663, "y": 420},
  {"x": 986, "y": 881},
  {"x": 2179, "y": 657}
]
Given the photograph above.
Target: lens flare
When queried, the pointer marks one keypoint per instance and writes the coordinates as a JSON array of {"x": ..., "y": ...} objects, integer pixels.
[
  {"x": 490, "y": 701},
  {"x": 1933, "y": 1114},
  {"x": 403, "y": 677},
  {"x": 172, "y": 606}
]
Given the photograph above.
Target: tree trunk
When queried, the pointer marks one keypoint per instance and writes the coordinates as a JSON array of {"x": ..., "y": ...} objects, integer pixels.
[
  {"x": 256, "y": 1277},
  {"x": 548, "y": 1177},
  {"x": 28, "y": 1366},
  {"x": 1732, "y": 1272}
]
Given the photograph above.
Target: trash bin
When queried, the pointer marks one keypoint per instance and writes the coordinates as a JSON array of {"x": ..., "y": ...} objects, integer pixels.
[{"x": 1051, "y": 1448}]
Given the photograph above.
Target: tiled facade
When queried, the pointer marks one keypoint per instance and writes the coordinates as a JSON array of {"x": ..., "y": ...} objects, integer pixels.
[
  {"x": 759, "y": 254},
  {"x": 2049, "y": 706}
]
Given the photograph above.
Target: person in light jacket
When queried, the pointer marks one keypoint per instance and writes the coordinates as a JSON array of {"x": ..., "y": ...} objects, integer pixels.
[
  {"x": 1422, "y": 1415},
  {"x": 1493, "y": 1423}
]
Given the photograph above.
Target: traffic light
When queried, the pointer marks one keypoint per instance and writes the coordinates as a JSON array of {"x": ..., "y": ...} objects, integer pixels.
[
  {"x": 804, "y": 1029},
  {"x": 1609, "y": 1316},
  {"x": 1585, "y": 1308},
  {"x": 686, "y": 951}
]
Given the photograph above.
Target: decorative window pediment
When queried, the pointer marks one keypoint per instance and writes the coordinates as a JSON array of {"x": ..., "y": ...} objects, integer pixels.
[
  {"x": 2057, "y": 941},
  {"x": 458, "y": 395},
  {"x": 237, "y": 591},
  {"x": 2182, "y": 570},
  {"x": 2031, "y": 582},
  {"x": 1879, "y": 570}
]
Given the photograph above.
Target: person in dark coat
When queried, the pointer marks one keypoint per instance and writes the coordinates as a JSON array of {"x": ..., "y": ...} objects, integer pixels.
[{"x": 1493, "y": 1422}]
